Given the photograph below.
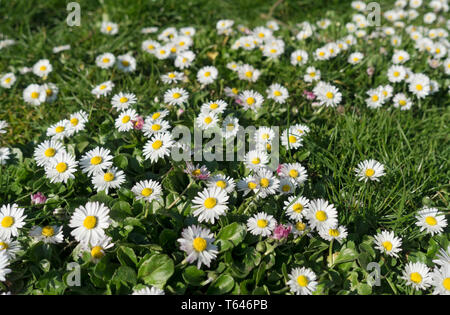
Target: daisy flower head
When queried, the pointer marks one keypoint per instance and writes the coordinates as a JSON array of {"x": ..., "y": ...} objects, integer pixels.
[
  {"x": 197, "y": 171},
  {"x": 111, "y": 178},
  {"x": 387, "y": 243},
  {"x": 168, "y": 34},
  {"x": 11, "y": 220},
  {"x": 162, "y": 52},
  {"x": 147, "y": 190},
  {"x": 77, "y": 122},
  {"x": 42, "y": 68},
  {"x": 355, "y": 58},
  {"x": 233, "y": 66},
  {"x": 172, "y": 77},
  {"x": 103, "y": 89},
  {"x": 4, "y": 263},
  {"x": 264, "y": 135},
  {"x": 443, "y": 257},
  {"x": 302, "y": 281},
  {"x": 96, "y": 160},
  {"x": 122, "y": 101},
  {"x": 273, "y": 49},
  {"x": 7, "y": 80},
  {"x": 149, "y": 291},
  {"x": 369, "y": 170},
  {"x": 248, "y": 73},
  {"x": 89, "y": 222},
  {"x": 295, "y": 172},
  {"x": 417, "y": 275},
  {"x": 197, "y": 243},
  {"x": 217, "y": 106},
  {"x": 188, "y": 31},
  {"x": 256, "y": 159},
  {"x": 327, "y": 94},
  {"x": 441, "y": 280},
  {"x": 286, "y": 186},
  {"x": 125, "y": 120},
  {"x": 296, "y": 207},
  {"x": 251, "y": 100},
  {"x": 51, "y": 91},
  {"x": 301, "y": 129},
  {"x": 4, "y": 155},
  {"x": 376, "y": 98},
  {"x": 46, "y": 151},
  {"x": 109, "y": 28},
  {"x": 59, "y": 130},
  {"x": 299, "y": 228},
  {"x": 277, "y": 93},
  {"x": 157, "y": 115},
  {"x": 9, "y": 247},
  {"x": 338, "y": 233},
  {"x": 419, "y": 85},
  {"x": 321, "y": 215},
  {"x": 321, "y": 54},
  {"x": 261, "y": 224},
  {"x": 61, "y": 168},
  {"x": 401, "y": 101},
  {"x": 290, "y": 138},
  {"x": 150, "y": 46},
  {"x": 184, "y": 59},
  {"x": 210, "y": 204},
  {"x": 248, "y": 184},
  {"x": 299, "y": 57},
  {"x": 230, "y": 127},
  {"x": 207, "y": 120},
  {"x": 312, "y": 74},
  {"x": 224, "y": 27},
  {"x": 223, "y": 182},
  {"x": 152, "y": 127},
  {"x": 49, "y": 234},
  {"x": 431, "y": 220},
  {"x": 268, "y": 184},
  {"x": 97, "y": 247},
  {"x": 158, "y": 147},
  {"x": 400, "y": 57},
  {"x": 176, "y": 96},
  {"x": 273, "y": 25},
  {"x": 34, "y": 94},
  {"x": 105, "y": 61},
  {"x": 207, "y": 75},
  {"x": 126, "y": 63}
]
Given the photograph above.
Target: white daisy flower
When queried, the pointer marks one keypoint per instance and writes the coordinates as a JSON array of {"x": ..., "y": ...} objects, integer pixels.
[
  {"x": 207, "y": 120},
  {"x": 61, "y": 167},
  {"x": 217, "y": 106},
  {"x": 126, "y": 63},
  {"x": 230, "y": 127},
  {"x": 419, "y": 85},
  {"x": 122, "y": 101},
  {"x": 296, "y": 207},
  {"x": 300, "y": 129},
  {"x": 11, "y": 220},
  {"x": 386, "y": 242},
  {"x": 299, "y": 229},
  {"x": 97, "y": 247},
  {"x": 46, "y": 151},
  {"x": 51, "y": 91},
  {"x": 222, "y": 181},
  {"x": 150, "y": 46},
  {"x": 248, "y": 184},
  {"x": 277, "y": 93},
  {"x": 338, "y": 233},
  {"x": 148, "y": 190},
  {"x": 59, "y": 130},
  {"x": 152, "y": 127},
  {"x": 302, "y": 281},
  {"x": 103, "y": 89},
  {"x": 312, "y": 74},
  {"x": 9, "y": 247},
  {"x": 96, "y": 160},
  {"x": 248, "y": 73},
  {"x": 162, "y": 52},
  {"x": 34, "y": 94},
  {"x": 4, "y": 262},
  {"x": 286, "y": 186},
  {"x": 294, "y": 172},
  {"x": 401, "y": 101},
  {"x": 89, "y": 222},
  {"x": 187, "y": 31},
  {"x": 125, "y": 120},
  {"x": 400, "y": 57},
  {"x": 251, "y": 100},
  {"x": 431, "y": 220},
  {"x": 207, "y": 75},
  {"x": 105, "y": 60},
  {"x": 321, "y": 54},
  {"x": 4, "y": 155},
  {"x": 77, "y": 121},
  {"x": 443, "y": 257},
  {"x": 7, "y": 80},
  {"x": 355, "y": 58},
  {"x": 110, "y": 179},
  {"x": 157, "y": 115},
  {"x": 176, "y": 96},
  {"x": 256, "y": 159},
  {"x": 293, "y": 141},
  {"x": 159, "y": 146},
  {"x": 210, "y": 204},
  {"x": 197, "y": 242},
  {"x": 109, "y": 28},
  {"x": 327, "y": 94},
  {"x": 417, "y": 275},
  {"x": 299, "y": 57},
  {"x": 42, "y": 68},
  {"x": 321, "y": 215},
  {"x": 184, "y": 59},
  {"x": 369, "y": 170},
  {"x": 376, "y": 98},
  {"x": 264, "y": 135},
  {"x": 172, "y": 77},
  {"x": 441, "y": 280},
  {"x": 268, "y": 184},
  {"x": 261, "y": 224},
  {"x": 148, "y": 291},
  {"x": 50, "y": 234}
]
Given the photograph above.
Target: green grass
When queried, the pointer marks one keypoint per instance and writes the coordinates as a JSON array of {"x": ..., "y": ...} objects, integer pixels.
[{"x": 413, "y": 145}]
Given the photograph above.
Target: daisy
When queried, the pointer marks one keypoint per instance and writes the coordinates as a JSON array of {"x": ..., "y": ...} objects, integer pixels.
[
  {"x": 125, "y": 120},
  {"x": 443, "y": 257},
  {"x": 105, "y": 180},
  {"x": 441, "y": 280},
  {"x": 97, "y": 247},
  {"x": 197, "y": 171},
  {"x": 122, "y": 101},
  {"x": 268, "y": 184},
  {"x": 251, "y": 100},
  {"x": 327, "y": 94},
  {"x": 152, "y": 127},
  {"x": 46, "y": 151},
  {"x": 321, "y": 54},
  {"x": 9, "y": 247},
  {"x": 210, "y": 204},
  {"x": 77, "y": 121},
  {"x": 207, "y": 120},
  {"x": 278, "y": 93},
  {"x": 158, "y": 146},
  {"x": 217, "y": 106},
  {"x": 51, "y": 91},
  {"x": 157, "y": 115},
  {"x": 34, "y": 94},
  {"x": 197, "y": 242},
  {"x": 247, "y": 184},
  {"x": 89, "y": 222},
  {"x": 312, "y": 74},
  {"x": 42, "y": 68},
  {"x": 293, "y": 140},
  {"x": 230, "y": 127},
  {"x": 109, "y": 28},
  {"x": 126, "y": 63},
  {"x": 172, "y": 77},
  {"x": 7, "y": 80},
  {"x": 49, "y": 234},
  {"x": 355, "y": 58},
  {"x": 184, "y": 59},
  {"x": 300, "y": 129},
  {"x": 61, "y": 167},
  {"x": 302, "y": 281},
  {"x": 150, "y": 46},
  {"x": 187, "y": 31},
  {"x": 96, "y": 160},
  {"x": 261, "y": 224},
  {"x": 224, "y": 26},
  {"x": 417, "y": 275},
  {"x": 272, "y": 25},
  {"x": 299, "y": 57},
  {"x": 264, "y": 135},
  {"x": 369, "y": 170},
  {"x": 207, "y": 75},
  {"x": 286, "y": 186},
  {"x": 321, "y": 215},
  {"x": 59, "y": 130},
  {"x": 296, "y": 207},
  {"x": 223, "y": 182},
  {"x": 401, "y": 101},
  {"x": 248, "y": 73},
  {"x": 376, "y": 98},
  {"x": 386, "y": 242},
  {"x": 162, "y": 52},
  {"x": 339, "y": 234},
  {"x": 431, "y": 220},
  {"x": 148, "y": 190},
  {"x": 4, "y": 262},
  {"x": 148, "y": 291},
  {"x": 400, "y": 57},
  {"x": 3, "y": 125},
  {"x": 103, "y": 89},
  {"x": 176, "y": 96},
  {"x": 105, "y": 60},
  {"x": 299, "y": 229},
  {"x": 11, "y": 220},
  {"x": 4, "y": 155},
  {"x": 419, "y": 85},
  {"x": 256, "y": 159},
  {"x": 294, "y": 171}
]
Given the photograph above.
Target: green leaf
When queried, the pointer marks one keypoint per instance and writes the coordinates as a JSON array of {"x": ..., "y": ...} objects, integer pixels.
[
  {"x": 120, "y": 210},
  {"x": 126, "y": 256},
  {"x": 125, "y": 274},
  {"x": 231, "y": 235},
  {"x": 156, "y": 270},
  {"x": 221, "y": 285},
  {"x": 121, "y": 161},
  {"x": 364, "y": 289},
  {"x": 193, "y": 276}
]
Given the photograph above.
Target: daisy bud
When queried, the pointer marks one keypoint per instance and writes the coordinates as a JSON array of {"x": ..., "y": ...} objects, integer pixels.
[
  {"x": 38, "y": 198},
  {"x": 281, "y": 232},
  {"x": 370, "y": 71},
  {"x": 138, "y": 123}
]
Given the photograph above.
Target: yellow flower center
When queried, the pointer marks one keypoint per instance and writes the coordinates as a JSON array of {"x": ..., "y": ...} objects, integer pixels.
[
  {"x": 277, "y": 93},
  {"x": 248, "y": 74},
  {"x": 108, "y": 177},
  {"x": 251, "y": 185},
  {"x": 355, "y": 59},
  {"x": 286, "y": 188},
  {"x": 333, "y": 232},
  {"x": 61, "y": 167},
  {"x": 90, "y": 222},
  {"x": 396, "y": 74},
  {"x": 125, "y": 63},
  {"x": 222, "y": 184},
  {"x": 292, "y": 139},
  {"x": 171, "y": 75},
  {"x": 7, "y": 221},
  {"x": 370, "y": 172},
  {"x": 299, "y": 58},
  {"x": 97, "y": 252},
  {"x": 207, "y": 74},
  {"x": 196, "y": 172},
  {"x": 402, "y": 102},
  {"x": 297, "y": 207},
  {"x": 273, "y": 51},
  {"x": 43, "y": 68},
  {"x": 234, "y": 90},
  {"x": 264, "y": 182},
  {"x": 49, "y": 92},
  {"x": 109, "y": 28},
  {"x": 302, "y": 281},
  {"x": 173, "y": 49},
  {"x": 431, "y": 220},
  {"x": 3, "y": 245},
  {"x": 230, "y": 127},
  {"x": 162, "y": 52},
  {"x": 176, "y": 95},
  {"x": 105, "y": 60},
  {"x": 199, "y": 244},
  {"x": 329, "y": 95},
  {"x": 419, "y": 87},
  {"x": 210, "y": 203},
  {"x": 156, "y": 115},
  {"x": 125, "y": 119},
  {"x": 400, "y": 58},
  {"x": 7, "y": 80},
  {"x": 387, "y": 245},
  {"x": 50, "y": 152},
  {"x": 208, "y": 120},
  {"x": 446, "y": 283},
  {"x": 261, "y": 223},
  {"x": 123, "y": 99},
  {"x": 214, "y": 106},
  {"x": 96, "y": 160},
  {"x": 102, "y": 87},
  {"x": 300, "y": 226},
  {"x": 48, "y": 231},
  {"x": 59, "y": 129},
  {"x": 375, "y": 98},
  {"x": 293, "y": 173},
  {"x": 321, "y": 54},
  {"x": 312, "y": 74},
  {"x": 415, "y": 277},
  {"x": 156, "y": 127},
  {"x": 34, "y": 95},
  {"x": 256, "y": 160},
  {"x": 146, "y": 192},
  {"x": 321, "y": 215},
  {"x": 74, "y": 121},
  {"x": 150, "y": 47}
]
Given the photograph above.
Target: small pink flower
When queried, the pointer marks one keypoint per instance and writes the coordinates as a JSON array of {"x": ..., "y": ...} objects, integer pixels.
[
  {"x": 279, "y": 169},
  {"x": 309, "y": 95},
  {"x": 180, "y": 112},
  {"x": 239, "y": 101},
  {"x": 370, "y": 71},
  {"x": 197, "y": 171},
  {"x": 138, "y": 123},
  {"x": 281, "y": 231},
  {"x": 434, "y": 63},
  {"x": 38, "y": 198}
]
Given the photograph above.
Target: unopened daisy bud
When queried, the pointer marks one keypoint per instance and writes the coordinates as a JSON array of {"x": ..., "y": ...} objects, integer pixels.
[
  {"x": 138, "y": 123},
  {"x": 370, "y": 71},
  {"x": 281, "y": 232},
  {"x": 38, "y": 198}
]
